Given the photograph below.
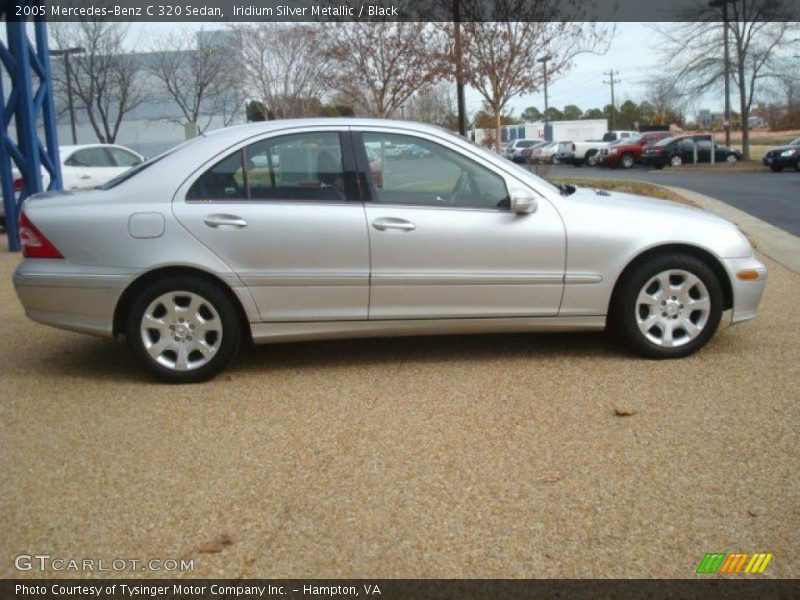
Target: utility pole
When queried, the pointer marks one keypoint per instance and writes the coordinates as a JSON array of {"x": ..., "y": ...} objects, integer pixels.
[
  {"x": 544, "y": 60},
  {"x": 462, "y": 110},
  {"x": 727, "y": 65},
  {"x": 66, "y": 53},
  {"x": 611, "y": 81}
]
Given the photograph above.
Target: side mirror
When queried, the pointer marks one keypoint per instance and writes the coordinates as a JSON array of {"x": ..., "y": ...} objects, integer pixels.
[{"x": 523, "y": 203}]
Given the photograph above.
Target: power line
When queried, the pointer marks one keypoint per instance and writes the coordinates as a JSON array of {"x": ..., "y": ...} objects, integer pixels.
[{"x": 611, "y": 81}]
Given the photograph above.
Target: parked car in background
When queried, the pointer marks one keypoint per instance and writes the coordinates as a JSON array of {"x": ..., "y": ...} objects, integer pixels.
[
  {"x": 677, "y": 151},
  {"x": 555, "y": 152},
  {"x": 627, "y": 152},
  {"x": 589, "y": 152},
  {"x": 530, "y": 152},
  {"x": 780, "y": 158},
  {"x": 190, "y": 254},
  {"x": 514, "y": 150},
  {"x": 85, "y": 166}
]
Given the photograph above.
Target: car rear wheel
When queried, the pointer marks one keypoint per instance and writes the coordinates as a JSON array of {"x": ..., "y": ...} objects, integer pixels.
[
  {"x": 592, "y": 157},
  {"x": 731, "y": 158},
  {"x": 627, "y": 161},
  {"x": 184, "y": 329},
  {"x": 676, "y": 161},
  {"x": 797, "y": 165},
  {"x": 668, "y": 307}
]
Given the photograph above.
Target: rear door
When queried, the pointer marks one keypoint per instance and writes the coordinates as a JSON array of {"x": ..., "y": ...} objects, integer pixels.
[
  {"x": 284, "y": 212},
  {"x": 444, "y": 242},
  {"x": 88, "y": 167}
]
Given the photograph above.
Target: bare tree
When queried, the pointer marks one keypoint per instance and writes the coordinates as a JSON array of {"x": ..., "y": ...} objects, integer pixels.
[
  {"x": 107, "y": 82},
  {"x": 378, "y": 66},
  {"x": 664, "y": 95},
  {"x": 198, "y": 79},
  {"x": 434, "y": 105},
  {"x": 501, "y": 55},
  {"x": 283, "y": 67},
  {"x": 694, "y": 50}
]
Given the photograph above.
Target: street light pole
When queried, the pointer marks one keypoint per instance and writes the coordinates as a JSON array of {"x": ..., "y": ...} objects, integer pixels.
[
  {"x": 724, "y": 5},
  {"x": 65, "y": 53},
  {"x": 544, "y": 60},
  {"x": 460, "y": 100}
]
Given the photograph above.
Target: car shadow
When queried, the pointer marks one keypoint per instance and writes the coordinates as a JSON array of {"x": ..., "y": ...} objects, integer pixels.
[
  {"x": 424, "y": 349},
  {"x": 110, "y": 361}
]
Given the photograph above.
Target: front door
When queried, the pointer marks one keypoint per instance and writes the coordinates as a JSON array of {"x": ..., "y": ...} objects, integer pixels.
[
  {"x": 284, "y": 214},
  {"x": 444, "y": 242}
]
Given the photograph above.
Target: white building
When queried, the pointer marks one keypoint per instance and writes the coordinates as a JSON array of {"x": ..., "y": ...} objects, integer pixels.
[{"x": 580, "y": 130}]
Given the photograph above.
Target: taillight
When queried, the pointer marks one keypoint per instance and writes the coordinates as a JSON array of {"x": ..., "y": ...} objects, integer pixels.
[
  {"x": 19, "y": 183},
  {"x": 573, "y": 147},
  {"x": 33, "y": 242}
]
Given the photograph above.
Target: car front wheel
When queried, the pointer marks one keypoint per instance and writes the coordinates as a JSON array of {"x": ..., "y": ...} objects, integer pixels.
[
  {"x": 627, "y": 161},
  {"x": 668, "y": 307},
  {"x": 732, "y": 158},
  {"x": 797, "y": 165},
  {"x": 676, "y": 161},
  {"x": 183, "y": 330}
]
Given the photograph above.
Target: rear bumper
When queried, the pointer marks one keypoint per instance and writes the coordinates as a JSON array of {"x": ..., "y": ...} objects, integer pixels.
[
  {"x": 746, "y": 294},
  {"x": 56, "y": 293}
]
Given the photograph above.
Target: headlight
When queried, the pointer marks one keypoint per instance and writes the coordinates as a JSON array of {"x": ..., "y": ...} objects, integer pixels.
[
  {"x": 791, "y": 152},
  {"x": 613, "y": 151}
]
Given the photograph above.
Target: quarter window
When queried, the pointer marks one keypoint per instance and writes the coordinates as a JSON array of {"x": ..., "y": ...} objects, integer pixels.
[
  {"x": 437, "y": 176},
  {"x": 123, "y": 158}
]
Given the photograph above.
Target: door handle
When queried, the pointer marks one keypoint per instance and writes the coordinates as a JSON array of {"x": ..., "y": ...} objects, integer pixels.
[
  {"x": 86, "y": 176},
  {"x": 215, "y": 221},
  {"x": 385, "y": 223}
]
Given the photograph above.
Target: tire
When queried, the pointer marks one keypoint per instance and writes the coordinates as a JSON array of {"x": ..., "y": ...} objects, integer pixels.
[
  {"x": 797, "y": 165},
  {"x": 731, "y": 158},
  {"x": 627, "y": 161},
  {"x": 676, "y": 161},
  {"x": 553, "y": 160},
  {"x": 591, "y": 158},
  {"x": 168, "y": 305},
  {"x": 779, "y": 168},
  {"x": 666, "y": 308},
  {"x": 2, "y": 222}
]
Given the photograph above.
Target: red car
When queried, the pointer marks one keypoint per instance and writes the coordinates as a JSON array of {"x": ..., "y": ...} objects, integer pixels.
[{"x": 627, "y": 153}]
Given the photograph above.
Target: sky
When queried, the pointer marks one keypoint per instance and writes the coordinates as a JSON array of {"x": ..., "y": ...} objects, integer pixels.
[{"x": 633, "y": 54}]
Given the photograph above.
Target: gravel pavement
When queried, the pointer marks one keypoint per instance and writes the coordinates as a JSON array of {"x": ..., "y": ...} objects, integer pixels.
[{"x": 472, "y": 456}]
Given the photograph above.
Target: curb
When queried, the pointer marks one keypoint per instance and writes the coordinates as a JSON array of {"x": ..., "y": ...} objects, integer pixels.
[{"x": 781, "y": 246}]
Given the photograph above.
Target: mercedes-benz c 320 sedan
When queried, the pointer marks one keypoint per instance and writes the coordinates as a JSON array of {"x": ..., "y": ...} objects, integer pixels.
[{"x": 311, "y": 229}]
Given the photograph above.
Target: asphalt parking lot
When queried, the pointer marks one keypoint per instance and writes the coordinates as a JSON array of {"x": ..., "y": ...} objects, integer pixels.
[
  {"x": 772, "y": 197},
  {"x": 471, "y": 456}
]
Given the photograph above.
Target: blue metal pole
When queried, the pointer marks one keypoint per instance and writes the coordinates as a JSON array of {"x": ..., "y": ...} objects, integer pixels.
[{"x": 29, "y": 107}]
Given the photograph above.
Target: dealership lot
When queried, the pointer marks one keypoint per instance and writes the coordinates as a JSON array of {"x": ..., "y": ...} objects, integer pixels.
[
  {"x": 494, "y": 456},
  {"x": 771, "y": 197}
]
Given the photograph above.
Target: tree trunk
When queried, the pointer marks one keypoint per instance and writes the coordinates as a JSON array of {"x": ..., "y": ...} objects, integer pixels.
[
  {"x": 744, "y": 111},
  {"x": 497, "y": 131}
]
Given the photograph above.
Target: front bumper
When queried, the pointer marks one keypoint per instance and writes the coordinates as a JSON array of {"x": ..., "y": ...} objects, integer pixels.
[
  {"x": 746, "y": 293},
  {"x": 780, "y": 161}
]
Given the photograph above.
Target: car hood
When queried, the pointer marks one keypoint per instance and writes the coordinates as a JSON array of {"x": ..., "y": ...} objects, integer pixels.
[
  {"x": 643, "y": 205},
  {"x": 782, "y": 148}
]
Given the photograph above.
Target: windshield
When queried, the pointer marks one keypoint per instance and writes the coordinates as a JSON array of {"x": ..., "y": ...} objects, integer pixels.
[
  {"x": 795, "y": 142},
  {"x": 665, "y": 141}
]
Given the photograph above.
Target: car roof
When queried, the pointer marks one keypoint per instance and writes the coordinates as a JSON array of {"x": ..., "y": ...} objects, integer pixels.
[{"x": 68, "y": 149}]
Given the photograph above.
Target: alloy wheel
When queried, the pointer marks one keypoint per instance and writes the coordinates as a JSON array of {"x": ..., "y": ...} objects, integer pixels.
[
  {"x": 676, "y": 161},
  {"x": 181, "y": 330},
  {"x": 731, "y": 158},
  {"x": 672, "y": 308}
]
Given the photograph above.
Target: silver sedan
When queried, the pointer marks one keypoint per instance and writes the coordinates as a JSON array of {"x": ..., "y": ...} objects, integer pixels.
[{"x": 311, "y": 229}]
